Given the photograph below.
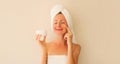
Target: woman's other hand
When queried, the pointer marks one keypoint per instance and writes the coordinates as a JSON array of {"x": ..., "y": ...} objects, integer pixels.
[{"x": 68, "y": 36}]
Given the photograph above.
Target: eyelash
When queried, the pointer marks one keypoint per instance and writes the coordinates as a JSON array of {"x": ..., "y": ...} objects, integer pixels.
[
  {"x": 55, "y": 23},
  {"x": 61, "y": 23}
]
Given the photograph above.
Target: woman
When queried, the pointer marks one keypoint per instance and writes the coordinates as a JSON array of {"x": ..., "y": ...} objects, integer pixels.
[{"x": 62, "y": 50}]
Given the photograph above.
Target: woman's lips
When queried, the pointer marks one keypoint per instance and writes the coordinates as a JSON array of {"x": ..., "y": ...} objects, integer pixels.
[{"x": 59, "y": 29}]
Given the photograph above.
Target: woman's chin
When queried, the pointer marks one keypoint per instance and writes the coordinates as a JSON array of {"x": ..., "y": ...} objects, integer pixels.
[{"x": 59, "y": 33}]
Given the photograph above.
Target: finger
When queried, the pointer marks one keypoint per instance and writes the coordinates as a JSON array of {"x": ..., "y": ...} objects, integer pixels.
[
  {"x": 44, "y": 38},
  {"x": 65, "y": 37},
  {"x": 36, "y": 36},
  {"x": 69, "y": 30}
]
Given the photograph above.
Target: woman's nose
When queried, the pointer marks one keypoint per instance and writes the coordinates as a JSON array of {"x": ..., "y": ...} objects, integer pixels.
[{"x": 59, "y": 24}]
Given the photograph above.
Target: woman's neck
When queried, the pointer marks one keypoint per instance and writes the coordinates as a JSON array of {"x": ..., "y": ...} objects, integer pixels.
[{"x": 60, "y": 40}]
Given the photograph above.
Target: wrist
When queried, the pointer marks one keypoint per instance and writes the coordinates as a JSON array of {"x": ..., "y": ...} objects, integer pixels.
[
  {"x": 70, "y": 47},
  {"x": 43, "y": 49},
  {"x": 69, "y": 44}
]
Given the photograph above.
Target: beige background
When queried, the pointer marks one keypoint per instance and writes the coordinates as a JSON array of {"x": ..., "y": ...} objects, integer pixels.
[{"x": 96, "y": 23}]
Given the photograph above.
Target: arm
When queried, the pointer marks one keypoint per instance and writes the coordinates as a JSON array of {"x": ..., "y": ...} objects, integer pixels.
[
  {"x": 76, "y": 53},
  {"x": 43, "y": 57},
  {"x": 70, "y": 56},
  {"x": 43, "y": 49},
  {"x": 73, "y": 54},
  {"x": 73, "y": 49}
]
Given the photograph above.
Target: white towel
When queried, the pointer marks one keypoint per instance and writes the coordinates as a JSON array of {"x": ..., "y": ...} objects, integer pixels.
[
  {"x": 57, "y": 59},
  {"x": 59, "y": 8}
]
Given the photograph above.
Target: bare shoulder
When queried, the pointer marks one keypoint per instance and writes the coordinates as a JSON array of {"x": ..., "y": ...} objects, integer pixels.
[
  {"x": 76, "y": 52},
  {"x": 76, "y": 48}
]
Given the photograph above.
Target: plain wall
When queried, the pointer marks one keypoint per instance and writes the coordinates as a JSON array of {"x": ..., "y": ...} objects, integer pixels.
[{"x": 96, "y": 24}]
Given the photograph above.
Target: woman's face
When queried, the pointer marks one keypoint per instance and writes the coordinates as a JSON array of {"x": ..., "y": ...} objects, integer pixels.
[{"x": 59, "y": 24}]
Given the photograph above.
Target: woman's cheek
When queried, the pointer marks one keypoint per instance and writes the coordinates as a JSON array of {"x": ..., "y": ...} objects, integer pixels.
[{"x": 53, "y": 28}]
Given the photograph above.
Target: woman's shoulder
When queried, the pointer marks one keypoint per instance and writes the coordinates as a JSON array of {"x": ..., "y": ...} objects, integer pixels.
[{"x": 76, "y": 48}]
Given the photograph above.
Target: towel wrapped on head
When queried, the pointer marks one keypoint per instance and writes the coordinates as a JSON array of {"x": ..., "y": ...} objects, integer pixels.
[{"x": 59, "y": 8}]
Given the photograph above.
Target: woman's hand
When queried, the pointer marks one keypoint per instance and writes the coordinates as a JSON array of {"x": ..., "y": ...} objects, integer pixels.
[
  {"x": 42, "y": 43},
  {"x": 68, "y": 36}
]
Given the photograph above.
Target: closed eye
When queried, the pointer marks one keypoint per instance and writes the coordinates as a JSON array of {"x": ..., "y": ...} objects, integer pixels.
[
  {"x": 55, "y": 22},
  {"x": 62, "y": 22}
]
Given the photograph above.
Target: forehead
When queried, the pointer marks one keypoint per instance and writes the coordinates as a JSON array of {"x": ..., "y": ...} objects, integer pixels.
[{"x": 59, "y": 16}]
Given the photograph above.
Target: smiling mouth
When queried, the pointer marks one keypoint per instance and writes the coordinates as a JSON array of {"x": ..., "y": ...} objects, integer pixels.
[{"x": 59, "y": 29}]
